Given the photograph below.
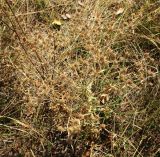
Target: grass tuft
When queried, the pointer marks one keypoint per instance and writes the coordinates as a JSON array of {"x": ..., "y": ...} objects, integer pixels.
[{"x": 79, "y": 78}]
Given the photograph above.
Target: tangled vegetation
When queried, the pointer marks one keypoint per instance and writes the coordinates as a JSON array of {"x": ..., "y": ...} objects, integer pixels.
[{"x": 80, "y": 78}]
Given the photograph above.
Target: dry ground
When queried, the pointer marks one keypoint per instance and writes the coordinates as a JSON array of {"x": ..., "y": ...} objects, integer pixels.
[{"x": 80, "y": 78}]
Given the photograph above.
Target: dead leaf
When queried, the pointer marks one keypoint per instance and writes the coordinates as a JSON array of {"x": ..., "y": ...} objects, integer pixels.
[
  {"x": 64, "y": 17},
  {"x": 104, "y": 98},
  {"x": 68, "y": 16},
  {"x": 120, "y": 11}
]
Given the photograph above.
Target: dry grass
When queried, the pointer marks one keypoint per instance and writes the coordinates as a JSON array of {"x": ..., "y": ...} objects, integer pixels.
[{"x": 89, "y": 87}]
